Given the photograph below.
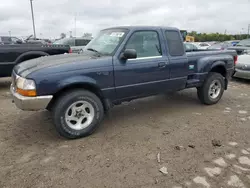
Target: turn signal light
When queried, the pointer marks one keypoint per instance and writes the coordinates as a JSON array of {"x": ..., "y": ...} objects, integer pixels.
[{"x": 27, "y": 93}]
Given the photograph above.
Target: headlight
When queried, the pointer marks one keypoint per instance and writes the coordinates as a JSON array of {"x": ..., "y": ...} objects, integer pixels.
[
  {"x": 26, "y": 84},
  {"x": 26, "y": 87}
]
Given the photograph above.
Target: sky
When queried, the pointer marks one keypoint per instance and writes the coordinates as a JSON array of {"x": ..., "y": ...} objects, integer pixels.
[{"x": 53, "y": 17}]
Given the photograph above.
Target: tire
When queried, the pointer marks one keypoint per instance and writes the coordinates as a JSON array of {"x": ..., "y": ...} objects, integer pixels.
[
  {"x": 205, "y": 91},
  {"x": 67, "y": 115}
]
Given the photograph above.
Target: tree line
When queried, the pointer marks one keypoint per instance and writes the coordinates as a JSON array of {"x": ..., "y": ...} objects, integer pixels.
[{"x": 202, "y": 37}]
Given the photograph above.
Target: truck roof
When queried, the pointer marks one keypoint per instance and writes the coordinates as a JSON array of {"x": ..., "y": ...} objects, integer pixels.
[{"x": 143, "y": 27}]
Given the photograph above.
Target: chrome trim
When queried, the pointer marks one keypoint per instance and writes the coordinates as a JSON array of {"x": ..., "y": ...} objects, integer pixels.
[
  {"x": 30, "y": 103},
  {"x": 151, "y": 57}
]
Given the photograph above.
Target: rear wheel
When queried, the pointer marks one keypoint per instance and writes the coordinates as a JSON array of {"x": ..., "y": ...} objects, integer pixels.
[
  {"x": 212, "y": 89},
  {"x": 77, "y": 114}
]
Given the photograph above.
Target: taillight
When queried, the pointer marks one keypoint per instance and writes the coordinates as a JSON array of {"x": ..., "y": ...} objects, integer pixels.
[
  {"x": 235, "y": 59},
  {"x": 70, "y": 51}
]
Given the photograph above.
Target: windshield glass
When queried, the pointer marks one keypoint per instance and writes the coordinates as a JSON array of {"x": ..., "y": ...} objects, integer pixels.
[
  {"x": 245, "y": 42},
  {"x": 106, "y": 42}
]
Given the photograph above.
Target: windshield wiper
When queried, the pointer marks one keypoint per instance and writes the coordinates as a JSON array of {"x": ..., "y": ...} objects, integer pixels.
[{"x": 94, "y": 50}]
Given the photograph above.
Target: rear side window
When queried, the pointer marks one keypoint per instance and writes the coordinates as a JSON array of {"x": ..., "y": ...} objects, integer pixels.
[
  {"x": 82, "y": 42},
  {"x": 174, "y": 42}
]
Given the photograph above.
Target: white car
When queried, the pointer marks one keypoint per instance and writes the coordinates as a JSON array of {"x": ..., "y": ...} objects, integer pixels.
[
  {"x": 202, "y": 45},
  {"x": 242, "y": 67},
  {"x": 77, "y": 44}
]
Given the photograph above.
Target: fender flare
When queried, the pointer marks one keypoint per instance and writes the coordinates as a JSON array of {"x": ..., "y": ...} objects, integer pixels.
[
  {"x": 218, "y": 63},
  {"x": 39, "y": 53}
]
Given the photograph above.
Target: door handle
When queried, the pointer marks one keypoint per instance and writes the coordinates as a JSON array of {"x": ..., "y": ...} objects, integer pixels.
[{"x": 162, "y": 64}]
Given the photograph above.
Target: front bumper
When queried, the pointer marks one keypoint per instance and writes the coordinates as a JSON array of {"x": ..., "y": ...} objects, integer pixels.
[
  {"x": 245, "y": 74},
  {"x": 30, "y": 103}
]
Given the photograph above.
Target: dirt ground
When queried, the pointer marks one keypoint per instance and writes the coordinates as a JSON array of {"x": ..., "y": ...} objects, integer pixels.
[{"x": 134, "y": 142}]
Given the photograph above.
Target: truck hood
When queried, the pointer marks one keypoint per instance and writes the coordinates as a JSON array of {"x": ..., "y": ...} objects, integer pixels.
[{"x": 58, "y": 63}]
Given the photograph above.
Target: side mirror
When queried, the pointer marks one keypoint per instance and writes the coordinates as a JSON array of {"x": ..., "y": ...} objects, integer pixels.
[{"x": 129, "y": 54}]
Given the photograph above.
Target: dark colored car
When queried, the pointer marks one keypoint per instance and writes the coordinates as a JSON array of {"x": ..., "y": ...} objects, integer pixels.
[
  {"x": 13, "y": 54},
  {"x": 119, "y": 64},
  {"x": 77, "y": 44},
  {"x": 38, "y": 41},
  {"x": 9, "y": 40}
]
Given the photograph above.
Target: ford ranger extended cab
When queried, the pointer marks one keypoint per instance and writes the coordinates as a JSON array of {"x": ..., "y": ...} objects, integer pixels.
[
  {"x": 119, "y": 64},
  {"x": 12, "y": 54}
]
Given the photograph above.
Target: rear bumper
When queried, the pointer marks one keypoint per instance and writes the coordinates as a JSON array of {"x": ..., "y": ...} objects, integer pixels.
[
  {"x": 30, "y": 103},
  {"x": 242, "y": 74}
]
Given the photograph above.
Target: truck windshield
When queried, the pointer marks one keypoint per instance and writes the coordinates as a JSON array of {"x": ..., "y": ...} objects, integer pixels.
[{"x": 106, "y": 42}]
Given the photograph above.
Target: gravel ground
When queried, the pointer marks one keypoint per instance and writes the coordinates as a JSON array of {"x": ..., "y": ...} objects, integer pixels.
[{"x": 199, "y": 146}]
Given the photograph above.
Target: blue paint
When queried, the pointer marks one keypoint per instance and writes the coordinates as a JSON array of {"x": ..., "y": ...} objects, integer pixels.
[{"x": 120, "y": 80}]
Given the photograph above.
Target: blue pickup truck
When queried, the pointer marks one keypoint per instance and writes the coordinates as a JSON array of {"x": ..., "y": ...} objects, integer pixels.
[{"x": 119, "y": 64}]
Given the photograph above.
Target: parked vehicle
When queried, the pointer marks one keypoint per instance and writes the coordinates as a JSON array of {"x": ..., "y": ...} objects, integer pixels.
[
  {"x": 202, "y": 45},
  {"x": 10, "y": 55},
  {"x": 242, "y": 46},
  {"x": 190, "y": 47},
  {"x": 120, "y": 64},
  {"x": 9, "y": 40},
  {"x": 38, "y": 41},
  {"x": 220, "y": 46},
  {"x": 242, "y": 68},
  {"x": 186, "y": 37},
  {"x": 233, "y": 42},
  {"x": 77, "y": 44}
]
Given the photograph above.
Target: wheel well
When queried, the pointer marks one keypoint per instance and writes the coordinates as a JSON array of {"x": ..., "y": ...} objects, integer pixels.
[
  {"x": 220, "y": 69},
  {"x": 28, "y": 57},
  {"x": 88, "y": 87}
]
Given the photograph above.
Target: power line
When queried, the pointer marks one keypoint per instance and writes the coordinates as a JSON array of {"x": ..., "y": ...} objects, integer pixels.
[{"x": 75, "y": 24}]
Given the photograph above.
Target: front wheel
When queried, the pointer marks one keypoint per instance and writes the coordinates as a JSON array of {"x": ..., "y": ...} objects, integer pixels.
[
  {"x": 77, "y": 114},
  {"x": 212, "y": 89}
]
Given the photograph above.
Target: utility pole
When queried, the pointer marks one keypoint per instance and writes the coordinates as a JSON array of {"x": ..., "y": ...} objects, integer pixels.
[
  {"x": 10, "y": 33},
  {"x": 248, "y": 32},
  {"x": 33, "y": 20},
  {"x": 75, "y": 25}
]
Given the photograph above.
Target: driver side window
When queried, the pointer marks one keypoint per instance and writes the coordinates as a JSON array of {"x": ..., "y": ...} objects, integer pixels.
[{"x": 146, "y": 44}]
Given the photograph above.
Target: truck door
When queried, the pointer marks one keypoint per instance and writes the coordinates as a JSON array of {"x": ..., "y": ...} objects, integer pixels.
[
  {"x": 178, "y": 62},
  {"x": 146, "y": 74}
]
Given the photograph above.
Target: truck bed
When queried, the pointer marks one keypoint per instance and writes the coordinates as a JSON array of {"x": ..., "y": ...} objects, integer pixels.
[
  {"x": 195, "y": 56},
  {"x": 194, "y": 63}
]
